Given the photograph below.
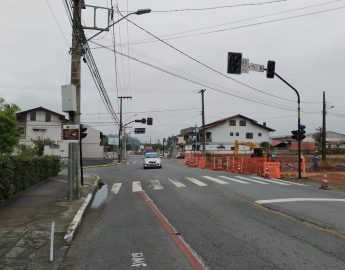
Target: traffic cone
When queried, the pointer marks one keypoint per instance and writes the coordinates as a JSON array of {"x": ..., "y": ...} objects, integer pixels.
[
  {"x": 267, "y": 173},
  {"x": 324, "y": 182}
]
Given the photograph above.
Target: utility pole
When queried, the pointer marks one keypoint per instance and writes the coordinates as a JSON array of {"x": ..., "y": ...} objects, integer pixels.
[
  {"x": 119, "y": 154},
  {"x": 74, "y": 117},
  {"x": 202, "y": 91},
  {"x": 324, "y": 128}
]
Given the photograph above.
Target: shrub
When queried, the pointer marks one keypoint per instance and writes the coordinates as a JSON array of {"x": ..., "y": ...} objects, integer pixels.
[{"x": 20, "y": 172}]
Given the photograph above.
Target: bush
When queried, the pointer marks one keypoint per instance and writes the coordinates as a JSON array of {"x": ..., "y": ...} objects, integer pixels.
[{"x": 20, "y": 172}]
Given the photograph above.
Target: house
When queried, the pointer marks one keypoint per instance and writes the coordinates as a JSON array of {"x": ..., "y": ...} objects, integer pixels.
[
  {"x": 222, "y": 134},
  {"x": 46, "y": 124}
]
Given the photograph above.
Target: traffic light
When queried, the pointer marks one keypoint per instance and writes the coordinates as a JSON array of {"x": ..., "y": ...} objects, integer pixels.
[
  {"x": 149, "y": 121},
  {"x": 301, "y": 132},
  {"x": 234, "y": 63},
  {"x": 295, "y": 135},
  {"x": 270, "y": 69},
  {"x": 143, "y": 120},
  {"x": 83, "y": 133}
]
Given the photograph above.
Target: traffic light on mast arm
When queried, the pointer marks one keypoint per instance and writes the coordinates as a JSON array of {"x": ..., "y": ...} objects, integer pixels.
[
  {"x": 271, "y": 65},
  {"x": 149, "y": 121},
  {"x": 83, "y": 133},
  {"x": 301, "y": 132},
  {"x": 234, "y": 63}
]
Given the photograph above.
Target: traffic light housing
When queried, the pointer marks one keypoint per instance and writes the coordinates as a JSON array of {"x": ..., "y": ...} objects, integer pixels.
[
  {"x": 270, "y": 69},
  {"x": 83, "y": 130},
  {"x": 234, "y": 63},
  {"x": 301, "y": 132},
  {"x": 143, "y": 120},
  {"x": 149, "y": 121},
  {"x": 295, "y": 135}
]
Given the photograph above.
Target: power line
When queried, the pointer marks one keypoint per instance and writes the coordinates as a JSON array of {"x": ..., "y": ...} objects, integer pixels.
[
  {"x": 207, "y": 66},
  {"x": 236, "y": 27},
  {"x": 217, "y": 7}
]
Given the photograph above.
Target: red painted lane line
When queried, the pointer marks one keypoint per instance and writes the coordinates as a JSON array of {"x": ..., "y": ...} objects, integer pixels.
[{"x": 196, "y": 264}]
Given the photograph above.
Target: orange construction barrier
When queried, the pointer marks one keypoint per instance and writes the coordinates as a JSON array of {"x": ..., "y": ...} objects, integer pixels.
[
  {"x": 274, "y": 169},
  {"x": 187, "y": 160},
  {"x": 202, "y": 162},
  {"x": 219, "y": 165}
]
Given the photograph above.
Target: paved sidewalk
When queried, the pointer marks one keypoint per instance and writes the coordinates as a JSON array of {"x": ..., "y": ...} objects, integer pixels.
[{"x": 25, "y": 223}]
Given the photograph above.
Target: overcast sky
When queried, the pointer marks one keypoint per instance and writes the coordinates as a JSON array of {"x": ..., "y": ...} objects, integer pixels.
[{"x": 305, "y": 38}]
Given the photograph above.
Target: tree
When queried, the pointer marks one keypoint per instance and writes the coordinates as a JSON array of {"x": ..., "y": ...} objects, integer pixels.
[
  {"x": 265, "y": 146},
  {"x": 317, "y": 136},
  {"x": 9, "y": 130},
  {"x": 39, "y": 145}
]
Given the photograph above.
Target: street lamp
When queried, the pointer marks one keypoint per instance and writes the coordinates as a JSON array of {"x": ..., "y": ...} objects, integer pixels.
[{"x": 138, "y": 12}]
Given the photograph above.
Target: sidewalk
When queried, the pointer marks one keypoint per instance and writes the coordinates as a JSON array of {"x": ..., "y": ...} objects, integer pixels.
[{"x": 25, "y": 223}]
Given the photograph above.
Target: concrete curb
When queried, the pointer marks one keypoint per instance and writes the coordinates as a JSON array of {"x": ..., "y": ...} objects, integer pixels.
[
  {"x": 99, "y": 166},
  {"x": 72, "y": 228}
]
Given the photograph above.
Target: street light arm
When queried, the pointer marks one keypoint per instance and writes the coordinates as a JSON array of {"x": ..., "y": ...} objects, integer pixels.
[{"x": 128, "y": 123}]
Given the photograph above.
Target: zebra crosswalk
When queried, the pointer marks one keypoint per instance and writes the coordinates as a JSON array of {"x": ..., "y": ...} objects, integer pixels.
[{"x": 204, "y": 181}]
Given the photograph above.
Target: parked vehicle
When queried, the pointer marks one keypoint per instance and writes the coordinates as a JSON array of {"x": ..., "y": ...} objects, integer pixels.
[
  {"x": 152, "y": 160},
  {"x": 180, "y": 155}
]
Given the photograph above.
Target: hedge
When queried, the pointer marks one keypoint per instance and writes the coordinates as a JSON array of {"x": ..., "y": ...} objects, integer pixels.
[{"x": 18, "y": 173}]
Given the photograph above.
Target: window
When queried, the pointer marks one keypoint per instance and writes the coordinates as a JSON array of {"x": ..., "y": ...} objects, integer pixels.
[
  {"x": 39, "y": 129},
  {"x": 231, "y": 134},
  {"x": 22, "y": 131},
  {"x": 208, "y": 136},
  {"x": 33, "y": 116},
  {"x": 237, "y": 134},
  {"x": 232, "y": 123},
  {"x": 54, "y": 146},
  {"x": 242, "y": 123},
  {"x": 48, "y": 117},
  {"x": 249, "y": 135},
  {"x": 259, "y": 134}
]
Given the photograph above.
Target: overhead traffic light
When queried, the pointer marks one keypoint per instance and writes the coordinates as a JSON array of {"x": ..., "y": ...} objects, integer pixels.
[
  {"x": 83, "y": 133},
  {"x": 295, "y": 135},
  {"x": 149, "y": 121},
  {"x": 143, "y": 120},
  {"x": 270, "y": 69},
  {"x": 301, "y": 132},
  {"x": 234, "y": 63}
]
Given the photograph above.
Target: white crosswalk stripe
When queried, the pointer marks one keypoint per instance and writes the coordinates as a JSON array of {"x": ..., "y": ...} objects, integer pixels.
[
  {"x": 216, "y": 180},
  {"x": 234, "y": 180},
  {"x": 136, "y": 186},
  {"x": 196, "y": 181},
  {"x": 292, "y": 183},
  {"x": 156, "y": 184},
  {"x": 176, "y": 182},
  {"x": 251, "y": 180},
  {"x": 271, "y": 181},
  {"x": 116, "y": 187}
]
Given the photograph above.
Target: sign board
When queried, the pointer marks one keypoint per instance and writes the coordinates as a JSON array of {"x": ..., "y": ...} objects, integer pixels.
[
  {"x": 70, "y": 126},
  {"x": 70, "y": 134},
  {"x": 112, "y": 141},
  {"x": 245, "y": 65},
  {"x": 256, "y": 67},
  {"x": 139, "y": 130},
  {"x": 141, "y": 147}
]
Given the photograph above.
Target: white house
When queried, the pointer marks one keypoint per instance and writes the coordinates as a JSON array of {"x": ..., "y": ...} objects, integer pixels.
[
  {"x": 45, "y": 124},
  {"x": 222, "y": 134}
]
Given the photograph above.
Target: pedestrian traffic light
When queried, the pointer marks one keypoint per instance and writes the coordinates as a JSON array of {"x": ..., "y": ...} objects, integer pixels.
[
  {"x": 234, "y": 63},
  {"x": 295, "y": 135},
  {"x": 83, "y": 133},
  {"x": 149, "y": 121},
  {"x": 301, "y": 132},
  {"x": 143, "y": 120},
  {"x": 270, "y": 69}
]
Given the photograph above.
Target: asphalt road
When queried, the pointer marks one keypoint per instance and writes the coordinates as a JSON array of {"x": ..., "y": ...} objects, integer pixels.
[{"x": 227, "y": 221}]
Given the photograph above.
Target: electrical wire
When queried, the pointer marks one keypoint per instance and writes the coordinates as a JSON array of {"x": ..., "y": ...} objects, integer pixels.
[{"x": 209, "y": 67}]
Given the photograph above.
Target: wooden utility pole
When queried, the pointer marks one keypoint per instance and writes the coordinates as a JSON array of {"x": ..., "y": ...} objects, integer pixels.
[
  {"x": 119, "y": 150},
  {"x": 324, "y": 128}
]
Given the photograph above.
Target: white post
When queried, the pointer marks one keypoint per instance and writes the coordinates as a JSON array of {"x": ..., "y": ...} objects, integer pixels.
[{"x": 52, "y": 241}]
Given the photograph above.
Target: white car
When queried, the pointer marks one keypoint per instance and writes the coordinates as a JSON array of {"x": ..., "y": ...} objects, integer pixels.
[{"x": 152, "y": 160}]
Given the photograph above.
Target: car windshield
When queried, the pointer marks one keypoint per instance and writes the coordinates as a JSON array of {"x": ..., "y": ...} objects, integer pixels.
[{"x": 151, "y": 155}]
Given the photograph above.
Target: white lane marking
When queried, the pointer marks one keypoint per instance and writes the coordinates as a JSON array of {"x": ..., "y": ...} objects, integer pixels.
[
  {"x": 136, "y": 186},
  {"x": 292, "y": 183},
  {"x": 134, "y": 162},
  {"x": 271, "y": 181},
  {"x": 232, "y": 179},
  {"x": 300, "y": 200},
  {"x": 127, "y": 163},
  {"x": 176, "y": 182},
  {"x": 156, "y": 184},
  {"x": 196, "y": 181},
  {"x": 216, "y": 180},
  {"x": 251, "y": 180},
  {"x": 116, "y": 188}
]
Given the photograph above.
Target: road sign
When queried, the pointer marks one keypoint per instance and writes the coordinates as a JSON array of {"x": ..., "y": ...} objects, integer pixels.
[
  {"x": 141, "y": 147},
  {"x": 70, "y": 126},
  {"x": 245, "y": 65},
  {"x": 70, "y": 134},
  {"x": 256, "y": 67},
  {"x": 139, "y": 130}
]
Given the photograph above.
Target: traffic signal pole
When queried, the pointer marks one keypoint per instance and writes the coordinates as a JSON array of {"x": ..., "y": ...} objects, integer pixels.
[
  {"x": 119, "y": 150},
  {"x": 298, "y": 122}
]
